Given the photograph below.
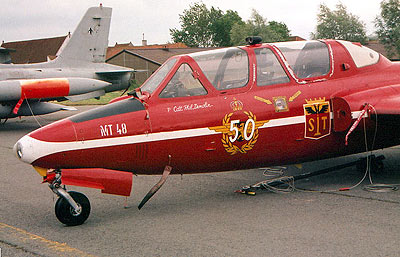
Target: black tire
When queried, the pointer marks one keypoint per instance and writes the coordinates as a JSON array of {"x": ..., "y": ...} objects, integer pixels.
[{"x": 65, "y": 213}]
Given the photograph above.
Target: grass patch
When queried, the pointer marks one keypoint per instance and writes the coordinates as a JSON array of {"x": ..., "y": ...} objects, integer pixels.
[{"x": 105, "y": 99}]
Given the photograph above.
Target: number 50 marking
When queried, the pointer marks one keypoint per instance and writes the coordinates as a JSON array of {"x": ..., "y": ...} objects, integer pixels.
[{"x": 235, "y": 128}]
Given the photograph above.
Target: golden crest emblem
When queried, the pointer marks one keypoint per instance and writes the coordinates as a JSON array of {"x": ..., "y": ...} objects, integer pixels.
[
  {"x": 318, "y": 122},
  {"x": 239, "y": 129}
]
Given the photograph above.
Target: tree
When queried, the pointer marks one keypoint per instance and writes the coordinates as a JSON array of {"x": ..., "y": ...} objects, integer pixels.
[
  {"x": 388, "y": 26},
  {"x": 257, "y": 25},
  {"x": 222, "y": 28},
  {"x": 203, "y": 27},
  {"x": 339, "y": 24},
  {"x": 195, "y": 23}
]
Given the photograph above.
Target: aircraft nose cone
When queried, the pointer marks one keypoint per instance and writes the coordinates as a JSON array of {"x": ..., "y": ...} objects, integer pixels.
[
  {"x": 24, "y": 149},
  {"x": 43, "y": 142}
]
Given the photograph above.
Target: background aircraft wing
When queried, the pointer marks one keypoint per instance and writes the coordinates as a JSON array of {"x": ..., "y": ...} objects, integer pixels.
[
  {"x": 118, "y": 71},
  {"x": 112, "y": 72}
]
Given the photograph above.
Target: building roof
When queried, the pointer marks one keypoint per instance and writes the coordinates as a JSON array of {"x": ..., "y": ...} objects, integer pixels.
[
  {"x": 34, "y": 51},
  {"x": 123, "y": 44},
  {"x": 296, "y": 38},
  {"x": 113, "y": 50},
  {"x": 380, "y": 48},
  {"x": 159, "y": 55}
]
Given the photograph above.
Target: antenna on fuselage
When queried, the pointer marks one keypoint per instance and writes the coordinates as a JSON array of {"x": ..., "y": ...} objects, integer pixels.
[{"x": 253, "y": 40}]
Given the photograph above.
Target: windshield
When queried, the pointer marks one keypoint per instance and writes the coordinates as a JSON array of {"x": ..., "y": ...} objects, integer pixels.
[
  {"x": 269, "y": 70},
  {"x": 183, "y": 83},
  {"x": 158, "y": 76},
  {"x": 225, "y": 68},
  {"x": 307, "y": 59}
]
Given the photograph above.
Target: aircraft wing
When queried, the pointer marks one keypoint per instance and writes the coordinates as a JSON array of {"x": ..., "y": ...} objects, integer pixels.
[
  {"x": 113, "y": 71},
  {"x": 384, "y": 103},
  {"x": 118, "y": 71},
  {"x": 385, "y": 100},
  {"x": 93, "y": 94},
  {"x": 119, "y": 76},
  {"x": 389, "y": 106}
]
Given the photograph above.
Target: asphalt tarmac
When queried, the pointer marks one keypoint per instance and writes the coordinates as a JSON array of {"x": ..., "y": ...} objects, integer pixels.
[{"x": 200, "y": 215}]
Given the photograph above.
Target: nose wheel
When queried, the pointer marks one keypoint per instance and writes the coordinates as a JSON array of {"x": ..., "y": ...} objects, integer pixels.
[
  {"x": 72, "y": 208},
  {"x": 69, "y": 215}
]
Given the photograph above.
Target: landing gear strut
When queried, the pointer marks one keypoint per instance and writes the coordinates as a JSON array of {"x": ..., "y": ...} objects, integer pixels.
[{"x": 72, "y": 208}]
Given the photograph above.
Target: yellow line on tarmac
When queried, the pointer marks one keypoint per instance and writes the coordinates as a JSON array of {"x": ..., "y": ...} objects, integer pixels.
[{"x": 36, "y": 244}]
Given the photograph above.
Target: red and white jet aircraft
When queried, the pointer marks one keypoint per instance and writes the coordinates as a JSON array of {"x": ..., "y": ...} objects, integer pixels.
[{"x": 226, "y": 109}]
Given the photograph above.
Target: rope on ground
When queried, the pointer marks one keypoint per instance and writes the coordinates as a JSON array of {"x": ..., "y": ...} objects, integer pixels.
[{"x": 381, "y": 188}]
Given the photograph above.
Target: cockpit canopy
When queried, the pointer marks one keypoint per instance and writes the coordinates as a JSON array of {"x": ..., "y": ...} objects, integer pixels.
[
  {"x": 362, "y": 56},
  {"x": 155, "y": 80},
  {"x": 307, "y": 59},
  {"x": 229, "y": 68},
  {"x": 225, "y": 68}
]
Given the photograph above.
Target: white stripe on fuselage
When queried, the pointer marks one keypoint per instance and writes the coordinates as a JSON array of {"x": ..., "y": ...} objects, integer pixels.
[{"x": 35, "y": 149}]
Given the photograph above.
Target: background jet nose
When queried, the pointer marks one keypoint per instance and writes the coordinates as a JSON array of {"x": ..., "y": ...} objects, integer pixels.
[{"x": 45, "y": 141}]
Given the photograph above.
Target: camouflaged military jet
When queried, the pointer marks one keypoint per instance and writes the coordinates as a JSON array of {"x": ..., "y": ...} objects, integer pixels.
[{"x": 78, "y": 72}]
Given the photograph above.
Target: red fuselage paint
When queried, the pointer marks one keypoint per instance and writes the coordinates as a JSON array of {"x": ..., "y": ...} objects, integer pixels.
[{"x": 247, "y": 127}]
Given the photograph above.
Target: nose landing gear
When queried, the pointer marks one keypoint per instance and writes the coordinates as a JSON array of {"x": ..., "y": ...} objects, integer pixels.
[
  {"x": 69, "y": 216},
  {"x": 72, "y": 208}
]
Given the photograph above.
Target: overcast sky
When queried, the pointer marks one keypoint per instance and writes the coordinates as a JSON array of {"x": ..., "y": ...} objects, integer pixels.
[{"x": 33, "y": 19}]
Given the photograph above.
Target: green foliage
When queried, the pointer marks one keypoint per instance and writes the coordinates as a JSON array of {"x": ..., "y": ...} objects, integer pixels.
[
  {"x": 105, "y": 99},
  {"x": 203, "y": 27},
  {"x": 257, "y": 25},
  {"x": 388, "y": 26},
  {"x": 339, "y": 24},
  {"x": 195, "y": 23},
  {"x": 222, "y": 28}
]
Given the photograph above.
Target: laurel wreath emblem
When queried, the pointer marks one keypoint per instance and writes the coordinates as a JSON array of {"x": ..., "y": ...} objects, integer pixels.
[{"x": 231, "y": 148}]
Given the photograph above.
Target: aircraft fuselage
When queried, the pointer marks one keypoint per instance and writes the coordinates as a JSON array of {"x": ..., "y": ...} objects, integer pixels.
[{"x": 300, "y": 120}]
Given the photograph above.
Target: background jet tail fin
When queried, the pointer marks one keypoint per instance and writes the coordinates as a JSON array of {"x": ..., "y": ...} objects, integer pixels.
[{"x": 90, "y": 39}]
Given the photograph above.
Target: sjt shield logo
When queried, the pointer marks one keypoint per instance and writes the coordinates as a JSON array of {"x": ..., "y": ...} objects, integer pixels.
[{"x": 318, "y": 122}]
